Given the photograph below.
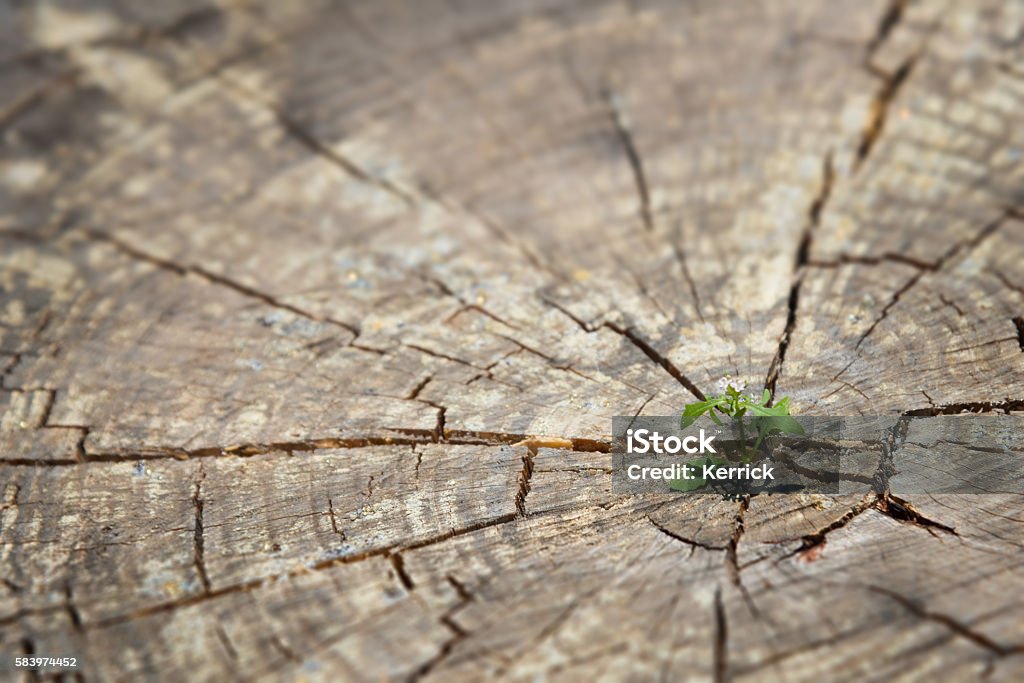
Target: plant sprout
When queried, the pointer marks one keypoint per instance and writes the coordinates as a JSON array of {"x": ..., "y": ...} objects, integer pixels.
[{"x": 731, "y": 402}]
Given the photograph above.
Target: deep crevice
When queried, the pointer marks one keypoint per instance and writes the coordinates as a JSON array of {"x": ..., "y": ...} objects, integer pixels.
[
  {"x": 775, "y": 368},
  {"x": 894, "y": 439},
  {"x": 525, "y": 476},
  {"x": 458, "y": 634},
  {"x": 652, "y": 353},
  {"x": 799, "y": 263},
  {"x": 413, "y": 437},
  {"x": 637, "y": 341},
  {"x": 812, "y": 544},
  {"x": 418, "y": 388},
  {"x": 198, "y": 540},
  {"x": 880, "y": 110},
  {"x": 902, "y": 511},
  {"x": 1006, "y": 406},
  {"x": 460, "y": 588},
  {"x": 732, "y": 550},
  {"x": 398, "y": 563}
]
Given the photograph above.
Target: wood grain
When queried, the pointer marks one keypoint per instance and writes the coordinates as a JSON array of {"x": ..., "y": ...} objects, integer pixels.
[{"x": 314, "y": 316}]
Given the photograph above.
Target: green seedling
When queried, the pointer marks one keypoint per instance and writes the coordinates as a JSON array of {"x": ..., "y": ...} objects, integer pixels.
[{"x": 731, "y": 403}]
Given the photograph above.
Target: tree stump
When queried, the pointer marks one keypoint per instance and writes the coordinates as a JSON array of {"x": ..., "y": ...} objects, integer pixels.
[{"x": 314, "y": 316}]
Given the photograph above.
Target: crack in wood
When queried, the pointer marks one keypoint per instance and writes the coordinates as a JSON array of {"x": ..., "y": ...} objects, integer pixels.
[
  {"x": 525, "y": 475},
  {"x": 799, "y": 265},
  {"x": 720, "y": 644},
  {"x": 448, "y": 621},
  {"x": 398, "y": 564},
  {"x": 880, "y": 109},
  {"x": 34, "y": 98},
  {"x": 1007, "y": 282},
  {"x": 867, "y": 260},
  {"x": 775, "y": 367},
  {"x": 248, "y": 586},
  {"x": 74, "y": 616},
  {"x": 812, "y": 544},
  {"x": 625, "y": 138},
  {"x": 1007, "y": 405},
  {"x": 460, "y": 588},
  {"x": 51, "y": 398},
  {"x": 442, "y": 356},
  {"x": 682, "y": 539},
  {"x": 419, "y": 461},
  {"x": 634, "y": 338},
  {"x": 981, "y": 345},
  {"x": 886, "y": 24},
  {"x": 465, "y": 305},
  {"x": 951, "y": 304},
  {"x": 732, "y": 549},
  {"x": 300, "y": 133},
  {"x": 414, "y": 437},
  {"x": 688, "y": 277},
  {"x": 951, "y": 623},
  {"x": 418, "y": 388},
  {"x": 334, "y": 518},
  {"x": 964, "y": 246},
  {"x": 891, "y": 442},
  {"x": 903, "y": 511},
  {"x": 198, "y": 540},
  {"x": 284, "y": 649},
  {"x": 458, "y": 634},
  {"x": 824, "y": 476},
  {"x": 17, "y": 615},
  {"x": 216, "y": 279}
]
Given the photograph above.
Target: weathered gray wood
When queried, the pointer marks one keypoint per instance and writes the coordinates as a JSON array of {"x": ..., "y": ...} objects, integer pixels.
[{"x": 314, "y": 316}]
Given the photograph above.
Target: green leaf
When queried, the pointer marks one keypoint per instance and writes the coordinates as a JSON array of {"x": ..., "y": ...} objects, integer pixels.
[
  {"x": 697, "y": 481},
  {"x": 765, "y": 397},
  {"x": 687, "y": 484},
  {"x": 778, "y": 424},
  {"x": 694, "y": 410},
  {"x": 779, "y": 409}
]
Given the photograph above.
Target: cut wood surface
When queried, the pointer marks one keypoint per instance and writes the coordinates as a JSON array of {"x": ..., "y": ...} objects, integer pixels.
[{"x": 314, "y": 316}]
